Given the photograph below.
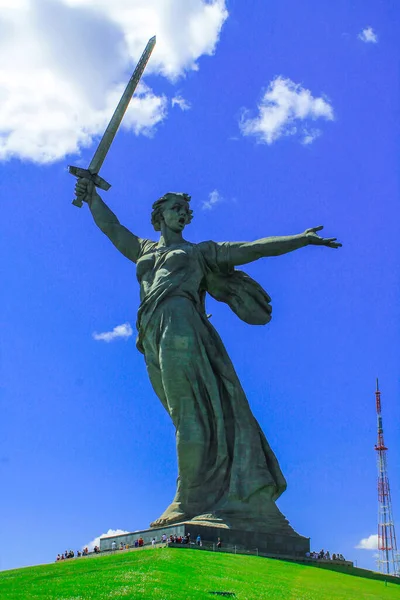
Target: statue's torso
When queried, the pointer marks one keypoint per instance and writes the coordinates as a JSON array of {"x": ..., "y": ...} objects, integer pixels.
[{"x": 179, "y": 267}]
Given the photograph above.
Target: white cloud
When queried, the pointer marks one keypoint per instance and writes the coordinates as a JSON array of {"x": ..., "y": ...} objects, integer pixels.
[
  {"x": 181, "y": 102},
  {"x": 64, "y": 63},
  {"x": 96, "y": 542},
  {"x": 286, "y": 108},
  {"x": 310, "y": 136},
  {"x": 185, "y": 29},
  {"x": 369, "y": 543},
  {"x": 213, "y": 199},
  {"x": 120, "y": 331},
  {"x": 368, "y": 35}
]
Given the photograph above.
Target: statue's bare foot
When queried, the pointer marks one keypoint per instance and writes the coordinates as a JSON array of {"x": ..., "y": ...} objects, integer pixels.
[
  {"x": 173, "y": 514},
  {"x": 176, "y": 517}
]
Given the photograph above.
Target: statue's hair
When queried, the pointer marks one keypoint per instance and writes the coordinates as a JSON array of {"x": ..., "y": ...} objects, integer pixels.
[{"x": 158, "y": 208}]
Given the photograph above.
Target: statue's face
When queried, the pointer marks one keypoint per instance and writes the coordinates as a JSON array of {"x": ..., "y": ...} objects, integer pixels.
[{"x": 176, "y": 213}]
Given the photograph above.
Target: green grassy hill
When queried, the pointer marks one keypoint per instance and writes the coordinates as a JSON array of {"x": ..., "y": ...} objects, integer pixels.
[{"x": 175, "y": 574}]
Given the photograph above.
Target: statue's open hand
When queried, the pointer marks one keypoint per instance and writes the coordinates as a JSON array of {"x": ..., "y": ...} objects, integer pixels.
[
  {"x": 316, "y": 240},
  {"x": 85, "y": 190}
]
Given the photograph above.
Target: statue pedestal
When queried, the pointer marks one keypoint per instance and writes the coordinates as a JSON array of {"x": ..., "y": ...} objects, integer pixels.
[{"x": 293, "y": 545}]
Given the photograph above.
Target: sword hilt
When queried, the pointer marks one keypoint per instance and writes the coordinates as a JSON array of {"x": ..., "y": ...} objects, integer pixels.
[
  {"x": 85, "y": 173},
  {"x": 77, "y": 202}
]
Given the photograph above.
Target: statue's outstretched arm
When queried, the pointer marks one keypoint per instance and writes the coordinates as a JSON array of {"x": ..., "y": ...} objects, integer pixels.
[
  {"x": 107, "y": 221},
  {"x": 246, "y": 252}
]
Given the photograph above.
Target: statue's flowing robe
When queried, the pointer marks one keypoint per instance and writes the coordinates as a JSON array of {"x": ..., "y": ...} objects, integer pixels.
[{"x": 225, "y": 464}]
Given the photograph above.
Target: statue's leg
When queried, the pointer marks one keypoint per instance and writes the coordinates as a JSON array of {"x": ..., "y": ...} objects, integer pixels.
[
  {"x": 174, "y": 512},
  {"x": 183, "y": 378},
  {"x": 179, "y": 381}
]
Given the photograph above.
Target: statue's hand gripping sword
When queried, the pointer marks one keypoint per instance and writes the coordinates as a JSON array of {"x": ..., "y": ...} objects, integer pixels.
[{"x": 92, "y": 172}]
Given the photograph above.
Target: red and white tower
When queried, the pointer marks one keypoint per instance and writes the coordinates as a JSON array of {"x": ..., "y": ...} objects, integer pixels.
[{"x": 388, "y": 558}]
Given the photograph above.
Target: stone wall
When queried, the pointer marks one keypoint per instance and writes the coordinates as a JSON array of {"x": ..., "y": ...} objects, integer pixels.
[{"x": 268, "y": 543}]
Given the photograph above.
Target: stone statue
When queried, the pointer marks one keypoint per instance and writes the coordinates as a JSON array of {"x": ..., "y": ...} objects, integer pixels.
[{"x": 227, "y": 472}]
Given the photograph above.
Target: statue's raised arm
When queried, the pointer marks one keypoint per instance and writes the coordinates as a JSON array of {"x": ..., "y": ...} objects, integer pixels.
[
  {"x": 123, "y": 239},
  {"x": 242, "y": 253}
]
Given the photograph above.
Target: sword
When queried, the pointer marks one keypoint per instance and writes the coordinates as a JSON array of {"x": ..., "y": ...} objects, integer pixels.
[{"x": 92, "y": 172}]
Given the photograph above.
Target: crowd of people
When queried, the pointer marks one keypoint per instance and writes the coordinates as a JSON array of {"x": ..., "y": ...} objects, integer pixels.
[
  {"x": 121, "y": 546},
  {"x": 138, "y": 543},
  {"x": 324, "y": 555},
  {"x": 179, "y": 539},
  {"x": 186, "y": 539},
  {"x": 71, "y": 554},
  {"x": 172, "y": 539}
]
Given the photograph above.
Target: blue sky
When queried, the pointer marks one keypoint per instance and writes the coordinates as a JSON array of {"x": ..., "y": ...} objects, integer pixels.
[{"x": 275, "y": 117}]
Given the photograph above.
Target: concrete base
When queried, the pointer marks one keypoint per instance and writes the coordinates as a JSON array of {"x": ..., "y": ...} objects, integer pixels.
[{"x": 267, "y": 543}]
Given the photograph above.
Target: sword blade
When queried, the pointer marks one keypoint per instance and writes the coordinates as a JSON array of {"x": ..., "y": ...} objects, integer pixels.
[{"x": 112, "y": 127}]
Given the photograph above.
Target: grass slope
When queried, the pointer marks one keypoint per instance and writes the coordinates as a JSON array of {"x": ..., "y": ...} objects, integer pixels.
[{"x": 166, "y": 574}]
